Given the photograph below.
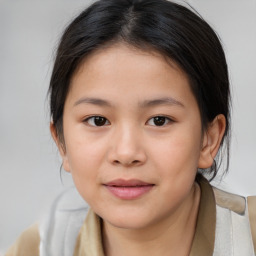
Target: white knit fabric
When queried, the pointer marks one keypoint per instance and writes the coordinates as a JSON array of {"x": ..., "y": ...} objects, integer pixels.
[
  {"x": 60, "y": 230},
  {"x": 233, "y": 235}
]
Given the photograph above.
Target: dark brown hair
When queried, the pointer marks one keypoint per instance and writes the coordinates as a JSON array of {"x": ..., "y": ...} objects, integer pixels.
[{"x": 171, "y": 29}]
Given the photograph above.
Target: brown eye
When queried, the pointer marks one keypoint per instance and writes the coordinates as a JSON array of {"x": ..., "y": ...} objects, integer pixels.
[
  {"x": 159, "y": 121},
  {"x": 97, "y": 121}
]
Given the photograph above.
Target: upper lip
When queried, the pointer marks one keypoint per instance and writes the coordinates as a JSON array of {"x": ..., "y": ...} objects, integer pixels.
[{"x": 127, "y": 183}]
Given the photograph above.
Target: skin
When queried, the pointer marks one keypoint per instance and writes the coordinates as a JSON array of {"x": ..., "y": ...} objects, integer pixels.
[{"x": 132, "y": 87}]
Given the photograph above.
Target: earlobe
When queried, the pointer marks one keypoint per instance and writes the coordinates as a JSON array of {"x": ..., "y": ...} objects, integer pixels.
[
  {"x": 211, "y": 141},
  {"x": 61, "y": 147}
]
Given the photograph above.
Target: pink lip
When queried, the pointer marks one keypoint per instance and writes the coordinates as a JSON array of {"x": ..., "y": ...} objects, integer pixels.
[{"x": 128, "y": 189}]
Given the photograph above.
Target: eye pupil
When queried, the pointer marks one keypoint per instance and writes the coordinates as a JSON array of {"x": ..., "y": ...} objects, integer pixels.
[
  {"x": 99, "y": 120},
  {"x": 159, "y": 120}
]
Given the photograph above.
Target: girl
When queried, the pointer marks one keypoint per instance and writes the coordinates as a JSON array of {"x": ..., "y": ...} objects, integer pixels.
[{"x": 139, "y": 99}]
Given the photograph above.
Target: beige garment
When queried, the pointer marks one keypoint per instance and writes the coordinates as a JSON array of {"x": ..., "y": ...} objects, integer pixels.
[
  {"x": 27, "y": 244},
  {"x": 252, "y": 216},
  {"x": 89, "y": 241}
]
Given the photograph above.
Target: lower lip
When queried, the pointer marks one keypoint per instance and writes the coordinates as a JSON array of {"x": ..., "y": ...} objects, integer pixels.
[{"x": 129, "y": 193}]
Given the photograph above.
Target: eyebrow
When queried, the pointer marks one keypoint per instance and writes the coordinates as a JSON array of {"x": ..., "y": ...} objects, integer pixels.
[
  {"x": 94, "y": 101},
  {"x": 162, "y": 101},
  {"x": 147, "y": 103}
]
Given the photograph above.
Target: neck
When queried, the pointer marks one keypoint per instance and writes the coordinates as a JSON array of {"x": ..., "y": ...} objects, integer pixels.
[{"x": 171, "y": 236}]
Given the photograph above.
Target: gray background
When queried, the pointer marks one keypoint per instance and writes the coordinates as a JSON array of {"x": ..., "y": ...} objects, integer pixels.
[{"x": 29, "y": 162}]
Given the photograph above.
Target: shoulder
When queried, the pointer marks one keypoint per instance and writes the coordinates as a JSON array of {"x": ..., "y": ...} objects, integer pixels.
[
  {"x": 58, "y": 232},
  {"x": 252, "y": 216},
  {"x": 234, "y": 227},
  {"x": 27, "y": 244}
]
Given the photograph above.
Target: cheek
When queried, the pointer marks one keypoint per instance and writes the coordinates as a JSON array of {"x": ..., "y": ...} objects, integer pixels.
[
  {"x": 83, "y": 149},
  {"x": 84, "y": 159},
  {"x": 176, "y": 164},
  {"x": 178, "y": 154}
]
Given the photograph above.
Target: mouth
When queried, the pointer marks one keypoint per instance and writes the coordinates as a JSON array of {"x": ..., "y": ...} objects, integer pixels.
[{"x": 128, "y": 189}]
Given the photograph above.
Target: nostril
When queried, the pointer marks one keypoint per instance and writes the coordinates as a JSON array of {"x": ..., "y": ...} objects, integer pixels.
[{"x": 134, "y": 162}]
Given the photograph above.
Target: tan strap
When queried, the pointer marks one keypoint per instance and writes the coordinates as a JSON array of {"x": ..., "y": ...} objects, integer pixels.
[
  {"x": 252, "y": 217},
  {"x": 230, "y": 201}
]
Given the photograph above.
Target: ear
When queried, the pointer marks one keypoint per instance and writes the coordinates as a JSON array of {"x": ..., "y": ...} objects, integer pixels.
[
  {"x": 211, "y": 141},
  {"x": 61, "y": 147}
]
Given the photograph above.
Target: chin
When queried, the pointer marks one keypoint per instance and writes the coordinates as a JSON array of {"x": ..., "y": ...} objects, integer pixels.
[
  {"x": 129, "y": 219},
  {"x": 132, "y": 224}
]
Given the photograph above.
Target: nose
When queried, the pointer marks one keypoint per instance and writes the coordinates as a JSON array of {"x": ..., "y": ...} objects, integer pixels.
[{"x": 127, "y": 148}]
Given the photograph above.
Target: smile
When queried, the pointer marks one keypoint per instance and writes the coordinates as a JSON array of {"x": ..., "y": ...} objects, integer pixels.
[{"x": 128, "y": 189}]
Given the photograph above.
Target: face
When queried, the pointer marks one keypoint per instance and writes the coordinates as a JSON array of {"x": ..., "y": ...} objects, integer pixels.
[{"x": 133, "y": 136}]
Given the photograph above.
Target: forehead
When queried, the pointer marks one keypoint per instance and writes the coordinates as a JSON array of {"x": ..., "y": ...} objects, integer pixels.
[{"x": 129, "y": 71}]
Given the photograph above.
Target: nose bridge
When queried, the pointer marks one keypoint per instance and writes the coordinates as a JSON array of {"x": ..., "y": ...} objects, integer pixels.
[
  {"x": 126, "y": 139},
  {"x": 127, "y": 148}
]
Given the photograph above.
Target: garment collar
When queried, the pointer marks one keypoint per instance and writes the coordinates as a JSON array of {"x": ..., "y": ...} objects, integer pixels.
[{"x": 203, "y": 242}]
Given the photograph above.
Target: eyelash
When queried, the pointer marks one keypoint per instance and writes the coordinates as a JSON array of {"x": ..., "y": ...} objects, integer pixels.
[{"x": 164, "y": 120}]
